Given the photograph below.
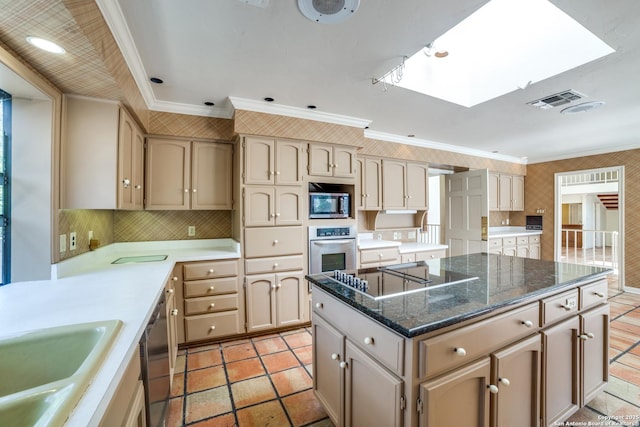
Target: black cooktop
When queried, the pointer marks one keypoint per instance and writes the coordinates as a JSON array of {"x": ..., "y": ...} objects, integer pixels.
[{"x": 399, "y": 279}]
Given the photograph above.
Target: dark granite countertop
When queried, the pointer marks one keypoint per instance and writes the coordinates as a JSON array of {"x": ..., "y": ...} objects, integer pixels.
[{"x": 501, "y": 281}]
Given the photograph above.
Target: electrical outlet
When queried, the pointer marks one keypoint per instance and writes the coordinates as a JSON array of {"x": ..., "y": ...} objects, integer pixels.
[
  {"x": 571, "y": 302},
  {"x": 90, "y": 235},
  {"x": 63, "y": 243},
  {"x": 400, "y": 235},
  {"x": 72, "y": 241},
  {"x": 191, "y": 231}
]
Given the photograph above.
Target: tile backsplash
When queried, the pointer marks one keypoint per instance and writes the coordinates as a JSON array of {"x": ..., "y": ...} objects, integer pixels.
[{"x": 110, "y": 226}]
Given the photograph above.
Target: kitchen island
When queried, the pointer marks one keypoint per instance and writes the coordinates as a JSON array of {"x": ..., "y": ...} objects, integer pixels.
[{"x": 472, "y": 340}]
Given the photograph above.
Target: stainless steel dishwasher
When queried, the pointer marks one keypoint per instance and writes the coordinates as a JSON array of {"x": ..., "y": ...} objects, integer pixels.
[{"x": 154, "y": 352}]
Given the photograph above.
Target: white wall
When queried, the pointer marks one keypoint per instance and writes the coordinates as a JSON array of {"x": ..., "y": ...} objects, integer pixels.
[{"x": 31, "y": 190}]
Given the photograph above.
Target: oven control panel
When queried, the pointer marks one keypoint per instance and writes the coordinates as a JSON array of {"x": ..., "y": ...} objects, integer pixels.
[{"x": 316, "y": 233}]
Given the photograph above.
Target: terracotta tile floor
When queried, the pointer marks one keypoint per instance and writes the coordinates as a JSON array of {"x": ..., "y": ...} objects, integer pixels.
[{"x": 266, "y": 381}]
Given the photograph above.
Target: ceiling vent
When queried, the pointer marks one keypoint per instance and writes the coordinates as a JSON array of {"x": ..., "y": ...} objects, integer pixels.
[
  {"x": 328, "y": 11},
  {"x": 557, "y": 99}
]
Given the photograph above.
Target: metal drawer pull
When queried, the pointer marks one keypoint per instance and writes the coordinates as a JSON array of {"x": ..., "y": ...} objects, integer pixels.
[
  {"x": 527, "y": 323},
  {"x": 493, "y": 388},
  {"x": 368, "y": 340},
  {"x": 599, "y": 294},
  {"x": 566, "y": 306},
  {"x": 460, "y": 351},
  {"x": 505, "y": 381}
]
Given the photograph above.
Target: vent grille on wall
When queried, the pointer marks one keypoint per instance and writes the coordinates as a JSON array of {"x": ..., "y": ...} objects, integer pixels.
[{"x": 557, "y": 99}]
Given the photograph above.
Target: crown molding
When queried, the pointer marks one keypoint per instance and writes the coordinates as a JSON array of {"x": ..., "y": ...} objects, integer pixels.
[
  {"x": 300, "y": 113},
  {"x": 595, "y": 152},
  {"x": 371, "y": 134},
  {"x": 224, "y": 112}
]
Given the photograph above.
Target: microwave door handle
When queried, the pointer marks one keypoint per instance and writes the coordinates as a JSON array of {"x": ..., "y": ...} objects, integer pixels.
[
  {"x": 333, "y": 242},
  {"x": 341, "y": 205}
]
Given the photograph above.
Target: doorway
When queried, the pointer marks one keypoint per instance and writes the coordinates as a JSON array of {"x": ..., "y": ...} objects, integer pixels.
[{"x": 589, "y": 219}]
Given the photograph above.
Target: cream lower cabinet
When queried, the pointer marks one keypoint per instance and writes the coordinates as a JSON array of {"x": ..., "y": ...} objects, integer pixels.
[
  {"x": 422, "y": 255},
  {"x": 211, "y": 300},
  {"x": 172, "y": 323},
  {"x": 127, "y": 407},
  {"x": 188, "y": 175},
  {"x": 275, "y": 300},
  {"x": 522, "y": 246},
  {"x": 379, "y": 257},
  {"x": 576, "y": 363},
  {"x": 352, "y": 386}
]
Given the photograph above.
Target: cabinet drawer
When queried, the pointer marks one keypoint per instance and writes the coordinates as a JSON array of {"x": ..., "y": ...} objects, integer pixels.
[
  {"x": 559, "y": 306},
  {"x": 404, "y": 258},
  {"x": 439, "y": 354},
  {"x": 201, "y": 288},
  {"x": 594, "y": 293},
  {"x": 522, "y": 240},
  {"x": 373, "y": 338},
  {"x": 207, "y": 326},
  {"x": 379, "y": 255},
  {"x": 534, "y": 239},
  {"x": 210, "y": 269},
  {"x": 215, "y": 304},
  {"x": 509, "y": 241},
  {"x": 427, "y": 255},
  {"x": 495, "y": 243},
  {"x": 271, "y": 265},
  {"x": 273, "y": 241}
]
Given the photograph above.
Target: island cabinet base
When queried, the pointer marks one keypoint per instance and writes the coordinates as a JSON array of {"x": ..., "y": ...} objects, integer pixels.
[{"x": 530, "y": 365}]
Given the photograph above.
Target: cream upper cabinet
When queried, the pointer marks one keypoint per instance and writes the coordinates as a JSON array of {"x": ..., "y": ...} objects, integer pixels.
[
  {"x": 506, "y": 192},
  {"x": 273, "y": 162},
  {"x": 369, "y": 182},
  {"x": 332, "y": 160},
  {"x": 270, "y": 206},
  {"x": 102, "y": 156},
  {"x": 404, "y": 185},
  {"x": 188, "y": 175}
]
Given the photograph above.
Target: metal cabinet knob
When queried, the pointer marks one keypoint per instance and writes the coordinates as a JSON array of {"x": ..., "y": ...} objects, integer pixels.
[
  {"x": 194, "y": 190},
  {"x": 138, "y": 187},
  {"x": 170, "y": 291},
  {"x": 275, "y": 242},
  {"x": 211, "y": 270},
  {"x": 587, "y": 336},
  {"x": 126, "y": 182},
  {"x": 213, "y": 327},
  {"x": 319, "y": 305},
  {"x": 213, "y": 304},
  {"x": 186, "y": 190},
  {"x": 174, "y": 278},
  {"x": 212, "y": 288}
]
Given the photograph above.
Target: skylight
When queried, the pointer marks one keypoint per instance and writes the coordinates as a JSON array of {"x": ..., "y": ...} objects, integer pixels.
[{"x": 503, "y": 46}]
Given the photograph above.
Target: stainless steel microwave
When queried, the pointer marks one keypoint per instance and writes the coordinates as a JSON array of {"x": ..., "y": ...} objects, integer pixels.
[{"x": 329, "y": 205}]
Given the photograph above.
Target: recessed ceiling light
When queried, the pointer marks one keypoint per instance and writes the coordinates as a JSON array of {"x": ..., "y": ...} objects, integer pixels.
[
  {"x": 47, "y": 45},
  {"x": 311, "y": 107},
  {"x": 156, "y": 80},
  {"x": 411, "y": 135},
  {"x": 582, "y": 108},
  {"x": 209, "y": 104},
  {"x": 328, "y": 11},
  {"x": 269, "y": 99}
]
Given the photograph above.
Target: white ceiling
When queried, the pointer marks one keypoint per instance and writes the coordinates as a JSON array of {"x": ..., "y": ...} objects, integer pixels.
[{"x": 217, "y": 50}]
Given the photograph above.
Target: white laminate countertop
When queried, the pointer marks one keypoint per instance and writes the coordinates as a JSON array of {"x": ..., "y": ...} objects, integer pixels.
[
  {"x": 89, "y": 288},
  {"x": 500, "y": 232},
  {"x": 366, "y": 241}
]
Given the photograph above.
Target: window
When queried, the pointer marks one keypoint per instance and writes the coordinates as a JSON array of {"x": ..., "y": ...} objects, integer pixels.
[{"x": 5, "y": 187}]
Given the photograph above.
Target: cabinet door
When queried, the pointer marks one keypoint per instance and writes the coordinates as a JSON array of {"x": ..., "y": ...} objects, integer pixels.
[
  {"x": 290, "y": 293},
  {"x": 172, "y": 327},
  {"x": 534, "y": 251},
  {"x": 261, "y": 307},
  {"x": 320, "y": 160},
  {"x": 417, "y": 186},
  {"x": 289, "y": 205},
  {"x": 328, "y": 378},
  {"x": 460, "y": 398},
  {"x": 138, "y": 169},
  {"x": 126, "y": 144},
  {"x": 373, "y": 184},
  {"x": 259, "y": 161},
  {"x": 344, "y": 161},
  {"x": 168, "y": 174},
  {"x": 560, "y": 371},
  {"x": 494, "y": 184},
  {"x": 360, "y": 185},
  {"x": 517, "y": 193},
  {"x": 522, "y": 251},
  {"x": 595, "y": 352},
  {"x": 393, "y": 184},
  {"x": 259, "y": 206},
  {"x": 372, "y": 394},
  {"x": 504, "y": 193},
  {"x": 516, "y": 372},
  {"x": 211, "y": 165},
  {"x": 289, "y": 163}
]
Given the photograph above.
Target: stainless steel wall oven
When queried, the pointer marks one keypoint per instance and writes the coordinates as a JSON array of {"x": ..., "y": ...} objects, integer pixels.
[{"x": 332, "y": 248}]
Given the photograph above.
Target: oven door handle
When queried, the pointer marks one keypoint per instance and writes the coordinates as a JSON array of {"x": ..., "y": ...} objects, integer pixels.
[{"x": 332, "y": 242}]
